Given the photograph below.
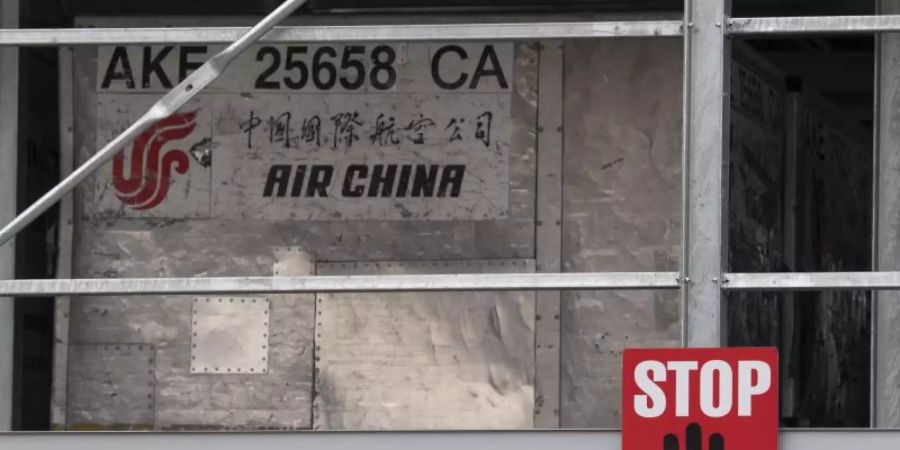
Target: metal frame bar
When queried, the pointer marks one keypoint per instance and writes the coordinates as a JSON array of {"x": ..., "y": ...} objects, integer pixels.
[
  {"x": 885, "y": 241},
  {"x": 461, "y": 282},
  {"x": 707, "y": 108},
  {"x": 9, "y": 151},
  {"x": 355, "y": 283},
  {"x": 813, "y": 25},
  {"x": 358, "y": 33},
  {"x": 818, "y": 281},
  {"x": 447, "y": 32},
  {"x": 434, "y": 440}
]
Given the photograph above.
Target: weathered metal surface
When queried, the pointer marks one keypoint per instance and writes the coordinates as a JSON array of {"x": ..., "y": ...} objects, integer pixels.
[
  {"x": 886, "y": 363},
  {"x": 621, "y": 211},
  {"x": 115, "y": 386},
  {"x": 280, "y": 398},
  {"x": 116, "y": 247},
  {"x": 230, "y": 335},
  {"x": 425, "y": 361}
]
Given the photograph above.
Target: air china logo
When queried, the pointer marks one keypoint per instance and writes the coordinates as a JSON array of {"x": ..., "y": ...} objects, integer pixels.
[{"x": 147, "y": 183}]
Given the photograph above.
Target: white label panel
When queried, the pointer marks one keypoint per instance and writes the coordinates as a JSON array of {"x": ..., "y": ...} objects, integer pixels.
[{"x": 339, "y": 132}]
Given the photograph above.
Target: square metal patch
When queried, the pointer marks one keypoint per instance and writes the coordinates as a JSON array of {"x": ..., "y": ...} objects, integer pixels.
[{"x": 230, "y": 335}]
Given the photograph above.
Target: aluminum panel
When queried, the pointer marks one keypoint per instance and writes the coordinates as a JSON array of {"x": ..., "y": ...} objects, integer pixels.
[
  {"x": 886, "y": 308},
  {"x": 114, "y": 386},
  {"x": 230, "y": 335},
  {"x": 117, "y": 247},
  {"x": 459, "y": 360},
  {"x": 621, "y": 209}
]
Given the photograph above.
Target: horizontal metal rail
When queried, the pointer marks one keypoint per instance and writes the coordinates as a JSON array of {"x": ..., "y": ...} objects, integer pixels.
[
  {"x": 444, "y": 32},
  {"x": 338, "y": 33},
  {"x": 814, "y": 25},
  {"x": 845, "y": 439},
  {"x": 812, "y": 281},
  {"x": 353, "y": 283}
]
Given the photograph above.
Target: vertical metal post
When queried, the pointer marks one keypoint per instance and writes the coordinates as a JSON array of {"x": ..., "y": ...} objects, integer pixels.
[
  {"x": 62, "y": 305},
  {"x": 885, "y": 397},
  {"x": 548, "y": 232},
  {"x": 9, "y": 147},
  {"x": 707, "y": 100}
]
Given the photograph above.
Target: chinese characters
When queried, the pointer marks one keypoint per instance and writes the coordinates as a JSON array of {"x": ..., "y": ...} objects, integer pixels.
[{"x": 345, "y": 130}]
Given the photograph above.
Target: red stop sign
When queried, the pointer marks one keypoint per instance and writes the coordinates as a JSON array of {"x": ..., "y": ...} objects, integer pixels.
[{"x": 700, "y": 399}]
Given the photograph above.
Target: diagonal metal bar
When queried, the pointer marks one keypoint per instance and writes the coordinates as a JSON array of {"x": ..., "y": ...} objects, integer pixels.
[
  {"x": 165, "y": 107},
  {"x": 351, "y": 283}
]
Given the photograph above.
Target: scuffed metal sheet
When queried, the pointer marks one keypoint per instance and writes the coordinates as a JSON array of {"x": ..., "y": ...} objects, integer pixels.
[
  {"x": 462, "y": 360},
  {"x": 230, "y": 335},
  {"x": 114, "y": 386},
  {"x": 281, "y": 398},
  {"x": 621, "y": 211},
  {"x": 113, "y": 246}
]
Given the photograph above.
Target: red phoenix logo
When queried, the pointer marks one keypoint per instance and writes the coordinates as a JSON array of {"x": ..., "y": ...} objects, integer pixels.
[{"x": 147, "y": 183}]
